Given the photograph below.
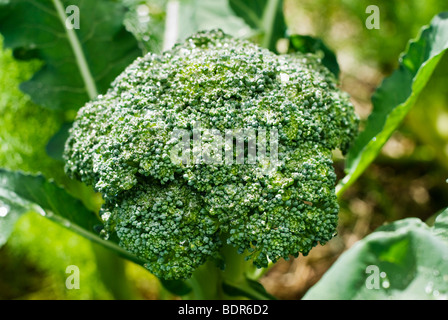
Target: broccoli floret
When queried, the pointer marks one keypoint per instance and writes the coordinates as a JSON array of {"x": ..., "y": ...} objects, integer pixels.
[
  {"x": 170, "y": 223},
  {"x": 177, "y": 214}
]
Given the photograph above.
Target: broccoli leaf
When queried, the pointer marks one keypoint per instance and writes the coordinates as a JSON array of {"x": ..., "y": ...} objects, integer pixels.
[
  {"x": 265, "y": 16},
  {"x": 177, "y": 287},
  {"x": 304, "y": 44},
  {"x": 53, "y": 200},
  {"x": 403, "y": 260},
  {"x": 241, "y": 19},
  {"x": 78, "y": 63},
  {"x": 21, "y": 193},
  {"x": 55, "y": 146},
  {"x": 187, "y": 17},
  {"x": 396, "y": 95},
  {"x": 11, "y": 209},
  {"x": 249, "y": 289}
]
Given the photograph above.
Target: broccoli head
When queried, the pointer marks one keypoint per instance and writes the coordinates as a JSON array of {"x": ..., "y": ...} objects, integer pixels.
[{"x": 178, "y": 214}]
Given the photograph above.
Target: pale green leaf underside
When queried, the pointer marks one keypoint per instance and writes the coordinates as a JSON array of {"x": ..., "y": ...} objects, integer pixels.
[
  {"x": 404, "y": 260},
  {"x": 200, "y": 15}
]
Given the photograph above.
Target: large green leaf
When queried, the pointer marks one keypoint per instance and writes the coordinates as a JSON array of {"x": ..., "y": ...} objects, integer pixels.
[
  {"x": 23, "y": 190},
  {"x": 404, "y": 260},
  {"x": 396, "y": 95},
  {"x": 79, "y": 63},
  {"x": 186, "y": 17},
  {"x": 21, "y": 193},
  {"x": 11, "y": 209},
  {"x": 264, "y": 16},
  {"x": 261, "y": 20}
]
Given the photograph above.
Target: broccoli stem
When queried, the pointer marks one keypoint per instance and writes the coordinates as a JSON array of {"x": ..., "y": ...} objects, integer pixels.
[{"x": 208, "y": 281}]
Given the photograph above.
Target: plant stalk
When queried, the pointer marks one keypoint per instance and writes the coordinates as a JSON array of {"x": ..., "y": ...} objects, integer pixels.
[{"x": 208, "y": 281}]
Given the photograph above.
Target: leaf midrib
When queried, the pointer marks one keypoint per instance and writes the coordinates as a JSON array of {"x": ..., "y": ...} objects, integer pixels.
[{"x": 80, "y": 58}]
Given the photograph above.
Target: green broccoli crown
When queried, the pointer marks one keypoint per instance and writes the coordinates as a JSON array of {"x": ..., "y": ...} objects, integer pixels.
[{"x": 177, "y": 214}]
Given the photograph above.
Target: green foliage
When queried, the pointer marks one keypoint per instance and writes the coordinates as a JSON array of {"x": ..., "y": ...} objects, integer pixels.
[
  {"x": 412, "y": 255},
  {"x": 198, "y": 15},
  {"x": 307, "y": 44},
  {"x": 261, "y": 21},
  {"x": 73, "y": 71},
  {"x": 396, "y": 96},
  {"x": 249, "y": 288},
  {"x": 25, "y": 127},
  {"x": 265, "y": 17},
  {"x": 121, "y": 144},
  {"x": 20, "y": 193},
  {"x": 51, "y": 252},
  {"x": 180, "y": 220}
]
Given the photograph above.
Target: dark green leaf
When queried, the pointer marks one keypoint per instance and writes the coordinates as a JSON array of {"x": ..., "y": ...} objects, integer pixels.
[
  {"x": 53, "y": 200},
  {"x": 396, "y": 95},
  {"x": 21, "y": 193},
  {"x": 11, "y": 209},
  {"x": 177, "y": 287},
  {"x": 55, "y": 147},
  {"x": 249, "y": 289},
  {"x": 306, "y": 44},
  {"x": 265, "y": 16},
  {"x": 258, "y": 287},
  {"x": 403, "y": 260},
  {"x": 79, "y": 63}
]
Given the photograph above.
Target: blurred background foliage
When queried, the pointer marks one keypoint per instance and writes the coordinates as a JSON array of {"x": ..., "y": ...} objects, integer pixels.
[{"x": 408, "y": 179}]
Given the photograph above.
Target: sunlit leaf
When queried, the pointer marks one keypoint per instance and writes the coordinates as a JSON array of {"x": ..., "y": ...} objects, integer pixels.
[
  {"x": 396, "y": 95},
  {"x": 403, "y": 260},
  {"x": 186, "y": 17}
]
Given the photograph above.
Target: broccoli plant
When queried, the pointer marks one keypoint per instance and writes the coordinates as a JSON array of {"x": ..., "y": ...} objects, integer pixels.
[
  {"x": 177, "y": 215},
  {"x": 208, "y": 162}
]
